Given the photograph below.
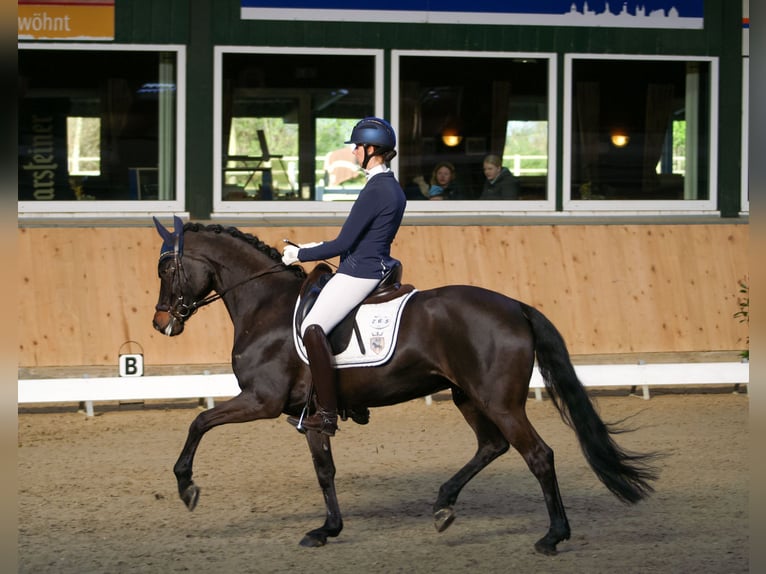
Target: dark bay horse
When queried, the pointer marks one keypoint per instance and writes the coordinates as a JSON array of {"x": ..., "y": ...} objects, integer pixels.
[{"x": 479, "y": 344}]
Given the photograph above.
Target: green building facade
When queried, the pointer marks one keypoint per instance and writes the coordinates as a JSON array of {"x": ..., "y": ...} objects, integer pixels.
[{"x": 203, "y": 108}]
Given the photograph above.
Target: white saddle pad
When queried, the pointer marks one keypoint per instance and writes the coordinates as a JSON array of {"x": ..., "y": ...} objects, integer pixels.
[{"x": 379, "y": 328}]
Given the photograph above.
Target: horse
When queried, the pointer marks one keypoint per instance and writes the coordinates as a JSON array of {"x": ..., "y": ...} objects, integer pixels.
[{"x": 478, "y": 344}]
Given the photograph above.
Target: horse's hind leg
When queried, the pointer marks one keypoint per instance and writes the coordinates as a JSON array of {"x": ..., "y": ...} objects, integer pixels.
[
  {"x": 321, "y": 454},
  {"x": 236, "y": 410},
  {"x": 491, "y": 444},
  {"x": 539, "y": 459}
]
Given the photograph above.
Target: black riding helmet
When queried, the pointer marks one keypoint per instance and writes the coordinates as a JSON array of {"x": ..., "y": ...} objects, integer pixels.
[{"x": 375, "y": 132}]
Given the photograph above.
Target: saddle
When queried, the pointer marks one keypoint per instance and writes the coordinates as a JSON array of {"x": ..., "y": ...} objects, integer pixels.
[{"x": 389, "y": 288}]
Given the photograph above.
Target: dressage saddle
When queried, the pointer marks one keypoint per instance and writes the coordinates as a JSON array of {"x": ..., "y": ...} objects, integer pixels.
[{"x": 389, "y": 288}]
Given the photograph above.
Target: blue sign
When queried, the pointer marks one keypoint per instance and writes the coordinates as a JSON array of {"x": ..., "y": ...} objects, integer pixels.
[{"x": 617, "y": 14}]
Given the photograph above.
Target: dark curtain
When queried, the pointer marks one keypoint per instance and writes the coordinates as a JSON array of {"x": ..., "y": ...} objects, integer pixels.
[
  {"x": 117, "y": 102},
  {"x": 501, "y": 95},
  {"x": 410, "y": 132},
  {"x": 586, "y": 132},
  {"x": 659, "y": 111},
  {"x": 226, "y": 115}
]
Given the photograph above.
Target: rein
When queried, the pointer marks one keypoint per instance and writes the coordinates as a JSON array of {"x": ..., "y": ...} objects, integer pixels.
[
  {"x": 181, "y": 311},
  {"x": 276, "y": 268}
]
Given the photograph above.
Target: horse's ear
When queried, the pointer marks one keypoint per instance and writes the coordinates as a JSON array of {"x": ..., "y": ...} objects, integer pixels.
[
  {"x": 164, "y": 233},
  {"x": 178, "y": 233},
  {"x": 178, "y": 226},
  {"x": 172, "y": 241}
]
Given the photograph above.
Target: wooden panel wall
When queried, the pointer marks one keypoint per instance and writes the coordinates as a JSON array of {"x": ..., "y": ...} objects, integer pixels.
[{"x": 609, "y": 288}]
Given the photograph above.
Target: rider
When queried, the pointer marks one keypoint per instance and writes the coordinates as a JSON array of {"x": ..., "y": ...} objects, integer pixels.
[{"x": 364, "y": 247}]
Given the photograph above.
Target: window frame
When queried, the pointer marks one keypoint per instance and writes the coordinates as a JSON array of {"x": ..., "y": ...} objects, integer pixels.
[
  {"x": 604, "y": 207},
  {"x": 122, "y": 208},
  {"x": 745, "y": 183},
  {"x": 278, "y": 209},
  {"x": 483, "y": 207}
]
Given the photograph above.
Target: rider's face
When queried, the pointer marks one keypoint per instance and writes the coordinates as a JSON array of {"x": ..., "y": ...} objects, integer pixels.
[{"x": 358, "y": 152}]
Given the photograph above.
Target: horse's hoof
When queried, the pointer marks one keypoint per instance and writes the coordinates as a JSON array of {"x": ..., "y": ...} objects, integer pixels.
[
  {"x": 547, "y": 544},
  {"x": 443, "y": 518},
  {"x": 314, "y": 540},
  {"x": 544, "y": 547},
  {"x": 191, "y": 496}
]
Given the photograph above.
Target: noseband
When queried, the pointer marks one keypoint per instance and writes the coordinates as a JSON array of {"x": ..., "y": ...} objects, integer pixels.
[{"x": 178, "y": 310}]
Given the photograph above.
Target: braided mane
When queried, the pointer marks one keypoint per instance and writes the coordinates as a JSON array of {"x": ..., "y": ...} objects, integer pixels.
[{"x": 252, "y": 240}]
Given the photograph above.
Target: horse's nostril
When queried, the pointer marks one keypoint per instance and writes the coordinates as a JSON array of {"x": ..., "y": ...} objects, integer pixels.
[{"x": 160, "y": 321}]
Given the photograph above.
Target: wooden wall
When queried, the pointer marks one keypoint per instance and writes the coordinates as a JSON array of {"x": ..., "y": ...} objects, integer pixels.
[{"x": 609, "y": 288}]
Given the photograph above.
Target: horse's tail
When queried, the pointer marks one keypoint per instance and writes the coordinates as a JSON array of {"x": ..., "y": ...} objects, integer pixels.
[{"x": 625, "y": 474}]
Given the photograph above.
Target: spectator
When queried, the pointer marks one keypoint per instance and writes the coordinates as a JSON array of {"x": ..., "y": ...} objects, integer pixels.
[
  {"x": 443, "y": 184},
  {"x": 500, "y": 183}
]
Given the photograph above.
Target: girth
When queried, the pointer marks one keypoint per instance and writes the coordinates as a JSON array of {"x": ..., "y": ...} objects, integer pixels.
[{"x": 390, "y": 287}]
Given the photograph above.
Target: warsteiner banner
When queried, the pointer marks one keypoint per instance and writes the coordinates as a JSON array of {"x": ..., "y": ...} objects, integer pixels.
[{"x": 43, "y": 173}]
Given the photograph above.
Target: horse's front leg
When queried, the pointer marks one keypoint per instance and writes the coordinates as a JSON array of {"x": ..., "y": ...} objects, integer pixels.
[
  {"x": 239, "y": 409},
  {"x": 321, "y": 454}
]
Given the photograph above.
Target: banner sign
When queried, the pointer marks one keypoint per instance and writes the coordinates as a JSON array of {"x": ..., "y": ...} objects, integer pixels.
[
  {"x": 617, "y": 14},
  {"x": 43, "y": 171},
  {"x": 66, "y": 20}
]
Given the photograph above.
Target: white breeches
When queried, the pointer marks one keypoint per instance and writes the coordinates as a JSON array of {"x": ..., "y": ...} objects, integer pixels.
[{"x": 341, "y": 294}]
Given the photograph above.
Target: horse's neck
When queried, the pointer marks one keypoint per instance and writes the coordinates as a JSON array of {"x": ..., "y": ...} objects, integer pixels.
[{"x": 251, "y": 283}]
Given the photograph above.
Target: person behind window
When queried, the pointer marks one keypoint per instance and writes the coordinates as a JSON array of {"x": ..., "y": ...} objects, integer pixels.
[
  {"x": 500, "y": 183},
  {"x": 443, "y": 183},
  {"x": 364, "y": 247}
]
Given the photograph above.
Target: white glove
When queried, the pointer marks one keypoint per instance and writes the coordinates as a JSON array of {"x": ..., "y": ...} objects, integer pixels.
[
  {"x": 307, "y": 245},
  {"x": 290, "y": 255}
]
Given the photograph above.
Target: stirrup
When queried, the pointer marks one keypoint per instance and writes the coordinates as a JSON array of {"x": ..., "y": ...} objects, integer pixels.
[
  {"x": 321, "y": 421},
  {"x": 297, "y": 423}
]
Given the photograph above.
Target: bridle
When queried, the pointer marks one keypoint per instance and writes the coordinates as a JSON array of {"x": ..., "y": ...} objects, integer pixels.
[{"x": 179, "y": 309}]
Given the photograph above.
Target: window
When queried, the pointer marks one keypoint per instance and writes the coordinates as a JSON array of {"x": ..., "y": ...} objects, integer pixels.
[
  {"x": 83, "y": 146},
  {"x": 459, "y": 107},
  {"x": 282, "y": 116},
  {"x": 640, "y": 133},
  {"x": 98, "y": 129}
]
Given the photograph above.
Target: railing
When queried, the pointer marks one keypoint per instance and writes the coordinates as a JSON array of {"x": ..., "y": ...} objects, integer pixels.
[
  {"x": 74, "y": 165},
  {"x": 516, "y": 163},
  {"x": 208, "y": 387}
]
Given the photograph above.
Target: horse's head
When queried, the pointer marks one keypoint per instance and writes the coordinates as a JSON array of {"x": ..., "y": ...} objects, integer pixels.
[{"x": 182, "y": 287}]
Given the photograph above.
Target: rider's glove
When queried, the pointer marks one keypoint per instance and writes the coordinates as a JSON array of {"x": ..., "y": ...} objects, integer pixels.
[
  {"x": 308, "y": 245},
  {"x": 290, "y": 255}
]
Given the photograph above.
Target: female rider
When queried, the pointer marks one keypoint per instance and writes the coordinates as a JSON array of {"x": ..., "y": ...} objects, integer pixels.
[{"x": 364, "y": 247}]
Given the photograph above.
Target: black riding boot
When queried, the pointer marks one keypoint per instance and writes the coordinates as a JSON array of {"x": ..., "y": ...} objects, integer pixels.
[{"x": 325, "y": 419}]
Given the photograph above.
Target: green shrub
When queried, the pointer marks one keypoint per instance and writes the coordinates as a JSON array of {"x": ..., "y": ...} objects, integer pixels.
[{"x": 744, "y": 312}]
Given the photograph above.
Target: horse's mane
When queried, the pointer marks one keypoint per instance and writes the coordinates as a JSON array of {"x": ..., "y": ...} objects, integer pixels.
[{"x": 271, "y": 252}]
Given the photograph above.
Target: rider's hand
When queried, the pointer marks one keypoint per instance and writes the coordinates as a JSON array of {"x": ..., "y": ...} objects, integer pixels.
[
  {"x": 290, "y": 255},
  {"x": 308, "y": 245}
]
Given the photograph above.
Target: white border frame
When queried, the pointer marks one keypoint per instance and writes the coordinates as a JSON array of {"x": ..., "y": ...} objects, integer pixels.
[
  {"x": 476, "y": 207},
  {"x": 131, "y": 208},
  {"x": 277, "y": 209},
  {"x": 604, "y": 207}
]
